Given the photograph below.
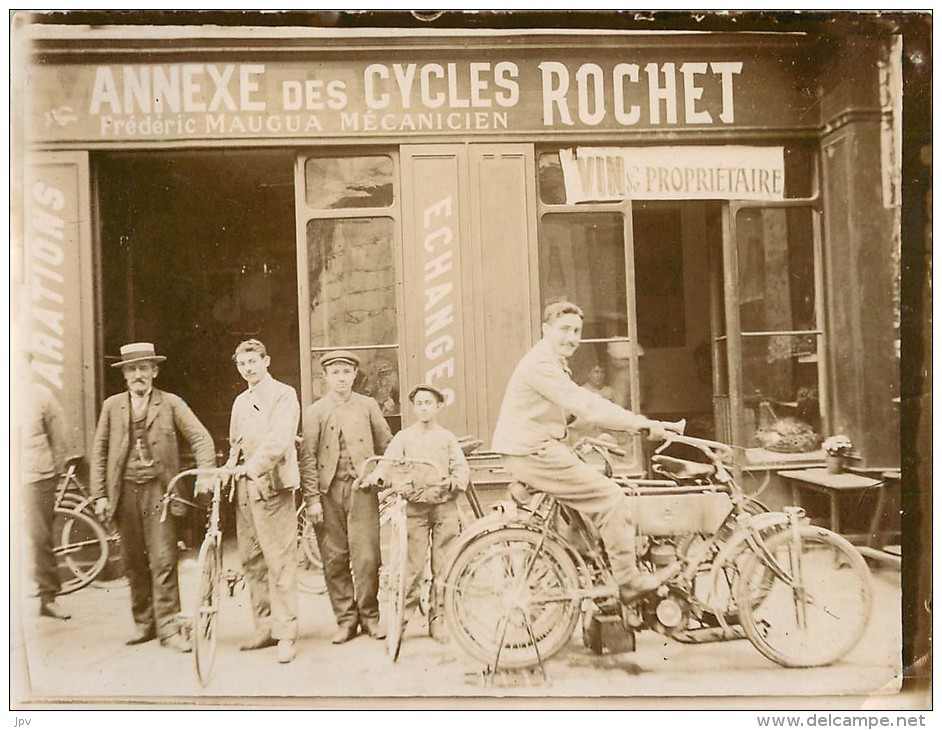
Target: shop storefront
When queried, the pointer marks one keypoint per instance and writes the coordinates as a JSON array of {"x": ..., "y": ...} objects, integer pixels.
[{"x": 725, "y": 207}]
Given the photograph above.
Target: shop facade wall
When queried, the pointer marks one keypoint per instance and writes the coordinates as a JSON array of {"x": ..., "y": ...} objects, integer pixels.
[{"x": 859, "y": 251}]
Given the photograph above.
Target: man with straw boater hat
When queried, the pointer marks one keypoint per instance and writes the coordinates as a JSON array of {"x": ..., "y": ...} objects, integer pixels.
[{"x": 135, "y": 456}]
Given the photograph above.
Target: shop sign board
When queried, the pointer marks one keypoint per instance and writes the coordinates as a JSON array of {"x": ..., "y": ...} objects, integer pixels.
[
  {"x": 727, "y": 172},
  {"x": 435, "y": 327},
  {"x": 53, "y": 278},
  {"x": 456, "y": 92}
]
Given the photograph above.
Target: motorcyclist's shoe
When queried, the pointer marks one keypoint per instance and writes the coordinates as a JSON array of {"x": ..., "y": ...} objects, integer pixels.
[
  {"x": 637, "y": 586},
  {"x": 642, "y": 583}
]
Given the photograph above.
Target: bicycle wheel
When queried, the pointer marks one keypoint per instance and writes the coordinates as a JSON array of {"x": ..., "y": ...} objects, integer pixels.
[
  {"x": 820, "y": 612},
  {"x": 393, "y": 578},
  {"x": 307, "y": 540},
  {"x": 209, "y": 570},
  {"x": 310, "y": 565},
  {"x": 507, "y": 604},
  {"x": 82, "y": 550}
]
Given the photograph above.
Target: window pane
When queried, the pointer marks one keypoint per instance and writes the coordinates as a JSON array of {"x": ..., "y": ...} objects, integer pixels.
[
  {"x": 604, "y": 368},
  {"x": 348, "y": 182},
  {"x": 582, "y": 259},
  {"x": 780, "y": 393},
  {"x": 659, "y": 277},
  {"x": 378, "y": 377},
  {"x": 352, "y": 281},
  {"x": 776, "y": 269},
  {"x": 552, "y": 185}
]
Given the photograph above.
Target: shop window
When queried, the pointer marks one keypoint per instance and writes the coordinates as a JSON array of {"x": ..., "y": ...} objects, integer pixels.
[
  {"x": 348, "y": 182},
  {"x": 352, "y": 286},
  {"x": 582, "y": 259},
  {"x": 551, "y": 184},
  {"x": 781, "y": 341}
]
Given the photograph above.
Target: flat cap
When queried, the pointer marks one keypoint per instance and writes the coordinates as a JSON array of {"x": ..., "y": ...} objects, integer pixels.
[
  {"x": 430, "y": 388},
  {"x": 340, "y": 356}
]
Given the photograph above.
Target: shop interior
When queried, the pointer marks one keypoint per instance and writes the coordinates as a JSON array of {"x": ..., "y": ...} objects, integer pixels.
[{"x": 198, "y": 253}]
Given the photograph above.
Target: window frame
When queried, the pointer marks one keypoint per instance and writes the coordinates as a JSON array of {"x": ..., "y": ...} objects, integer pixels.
[
  {"x": 734, "y": 334},
  {"x": 304, "y": 214},
  {"x": 624, "y": 208}
]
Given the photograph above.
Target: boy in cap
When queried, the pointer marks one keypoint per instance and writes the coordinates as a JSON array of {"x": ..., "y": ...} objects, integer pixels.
[
  {"x": 340, "y": 431},
  {"x": 135, "y": 455},
  {"x": 431, "y": 507}
]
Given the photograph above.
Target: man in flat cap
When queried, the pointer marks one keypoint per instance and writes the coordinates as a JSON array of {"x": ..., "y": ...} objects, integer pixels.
[
  {"x": 262, "y": 434},
  {"x": 340, "y": 431},
  {"x": 135, "y": 456}
]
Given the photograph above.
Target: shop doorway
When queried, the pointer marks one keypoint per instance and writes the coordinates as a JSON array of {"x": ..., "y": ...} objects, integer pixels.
[
  {"x": 197, "y": 254},
  {"x": 675, "y": 246}
]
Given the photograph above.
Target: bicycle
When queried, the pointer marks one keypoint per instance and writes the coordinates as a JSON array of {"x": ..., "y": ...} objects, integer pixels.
[
  {"x": 521, "y": 577},
  {"x": 83, "y": 544},
  {"x": 394, "y": 574},
  {"x": 208, "y": 566}
]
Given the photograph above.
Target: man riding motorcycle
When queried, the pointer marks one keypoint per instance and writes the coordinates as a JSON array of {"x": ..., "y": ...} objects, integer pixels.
[{"x": 531, "y": 431}]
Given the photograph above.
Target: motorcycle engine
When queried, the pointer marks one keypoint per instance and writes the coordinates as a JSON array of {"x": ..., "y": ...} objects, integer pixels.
[
  {"x": 661, "y": 552},
  {"x": 669, "y": 613}
]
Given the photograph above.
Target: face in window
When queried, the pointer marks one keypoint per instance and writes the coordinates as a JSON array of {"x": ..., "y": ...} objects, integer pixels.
[
  {"x": 340, "y": 377},
  {"x": 563, "y": 334},
  {"x": 597, "y": 376},
  {"x": 252, "y": 366}
]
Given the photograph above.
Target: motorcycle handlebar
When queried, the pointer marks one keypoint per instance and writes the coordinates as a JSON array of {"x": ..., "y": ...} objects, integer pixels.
[{"x": 712, "y": 448}]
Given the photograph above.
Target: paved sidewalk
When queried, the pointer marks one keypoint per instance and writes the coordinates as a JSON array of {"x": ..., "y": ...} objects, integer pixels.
[{"x": 86, "y": 659}]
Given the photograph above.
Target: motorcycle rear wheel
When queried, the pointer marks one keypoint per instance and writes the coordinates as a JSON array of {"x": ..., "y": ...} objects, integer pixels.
[{"x": 509, "y": 605}]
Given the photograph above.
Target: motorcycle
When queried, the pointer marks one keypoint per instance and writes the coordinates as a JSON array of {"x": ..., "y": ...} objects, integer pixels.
[{"x": 521, "y": 578}]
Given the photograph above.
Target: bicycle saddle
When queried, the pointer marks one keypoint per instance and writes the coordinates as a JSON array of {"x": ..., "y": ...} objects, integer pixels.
[
  {"x": 469, "y": 444},
  {"x": 681, "y": 468},
  {"x": 75, "y": 460}
]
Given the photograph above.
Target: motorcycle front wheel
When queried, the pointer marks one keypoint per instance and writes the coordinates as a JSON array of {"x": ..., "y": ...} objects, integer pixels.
[{"x": 813, "y": 606}]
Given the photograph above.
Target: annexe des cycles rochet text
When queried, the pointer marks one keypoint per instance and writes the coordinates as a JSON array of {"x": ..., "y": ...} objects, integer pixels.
[{"x": 187, "y": 99}]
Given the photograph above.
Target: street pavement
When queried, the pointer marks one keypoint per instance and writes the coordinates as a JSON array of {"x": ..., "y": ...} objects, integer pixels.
[{"x": 85, "y": 659}]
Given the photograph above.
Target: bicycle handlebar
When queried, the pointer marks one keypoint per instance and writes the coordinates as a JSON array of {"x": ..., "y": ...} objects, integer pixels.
[
  {"x": 397, "y": 461},
  {"x": 610, "y": 447},
  {"x": 169, "y": 496}
]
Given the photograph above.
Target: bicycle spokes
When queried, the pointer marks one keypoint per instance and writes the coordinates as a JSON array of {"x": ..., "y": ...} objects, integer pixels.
[{"x": 812, "y": 604}]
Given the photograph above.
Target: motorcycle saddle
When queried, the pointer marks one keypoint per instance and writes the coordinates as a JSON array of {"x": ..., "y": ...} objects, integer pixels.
[{"x": 682, "y": 468}]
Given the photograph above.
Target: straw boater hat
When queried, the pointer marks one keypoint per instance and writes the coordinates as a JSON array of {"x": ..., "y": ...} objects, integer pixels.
[{"x": 138, "y": 352}]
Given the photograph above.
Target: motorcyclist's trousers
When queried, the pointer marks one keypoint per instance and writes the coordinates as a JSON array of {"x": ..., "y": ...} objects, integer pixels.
[{"x": 558, "y": 471}]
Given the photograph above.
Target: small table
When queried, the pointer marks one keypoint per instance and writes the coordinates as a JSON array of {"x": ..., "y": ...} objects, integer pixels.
[{"x": 820, "y": 480}]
